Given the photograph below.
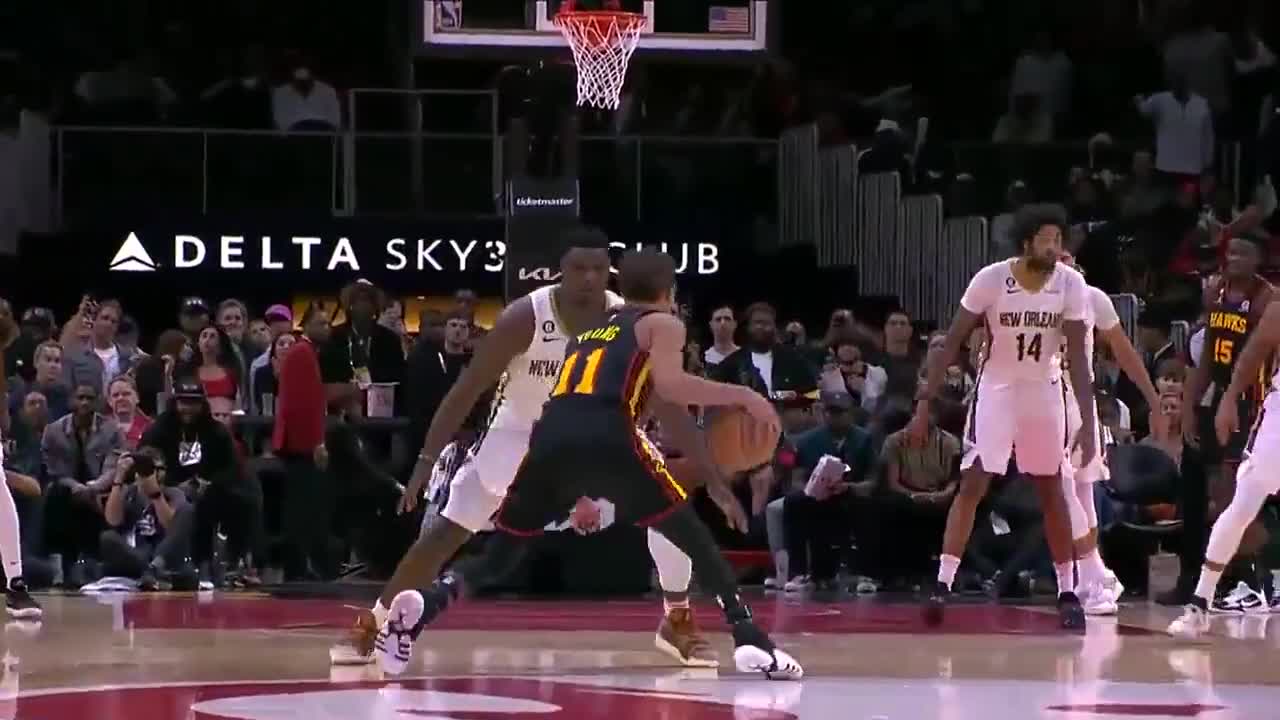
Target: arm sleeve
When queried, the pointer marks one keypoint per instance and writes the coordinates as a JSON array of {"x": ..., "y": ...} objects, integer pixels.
[{"x": 981, "y": 293}]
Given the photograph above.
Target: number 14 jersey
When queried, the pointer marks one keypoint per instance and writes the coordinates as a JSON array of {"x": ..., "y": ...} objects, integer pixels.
[{"x": 1024, "y": 328}]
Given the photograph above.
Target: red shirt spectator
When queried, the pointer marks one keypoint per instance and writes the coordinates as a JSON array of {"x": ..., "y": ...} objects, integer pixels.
[
  {"x": 300, "y": 408},
  {"x": 122, "y": 395}
]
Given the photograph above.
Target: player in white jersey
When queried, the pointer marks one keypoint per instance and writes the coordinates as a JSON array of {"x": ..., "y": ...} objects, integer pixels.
[
  {"x": 1097, "y": 587},
  {"x": 1257, "y": 478},
  {"x": 522, "y": 354},
  {"x": 1030, "y": 304},
  {"x": 18, "y": 603}
]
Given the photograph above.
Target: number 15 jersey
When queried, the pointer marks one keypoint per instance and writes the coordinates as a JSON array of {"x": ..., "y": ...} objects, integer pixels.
[{"x": 1024, "y": 328}]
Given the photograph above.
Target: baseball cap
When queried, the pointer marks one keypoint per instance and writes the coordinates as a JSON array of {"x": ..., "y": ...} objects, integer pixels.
[
  {"x": 188, "y": 390},
  {"x": 195, "y": 306},
  {"x": 38, "y": 316},
  {"x": 278, "y": 312},
  {"x": 836, "y": 400}
]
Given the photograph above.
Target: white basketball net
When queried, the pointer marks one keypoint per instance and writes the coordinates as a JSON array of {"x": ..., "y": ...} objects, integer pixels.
[{"x": 602, "y": 44}]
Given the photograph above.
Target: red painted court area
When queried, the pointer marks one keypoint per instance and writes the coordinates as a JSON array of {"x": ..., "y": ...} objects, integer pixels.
[{"x": 857, "y": 616}]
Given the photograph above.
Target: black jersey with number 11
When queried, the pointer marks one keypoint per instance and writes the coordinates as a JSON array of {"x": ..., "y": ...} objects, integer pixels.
[{"x": 605, "y": 366}]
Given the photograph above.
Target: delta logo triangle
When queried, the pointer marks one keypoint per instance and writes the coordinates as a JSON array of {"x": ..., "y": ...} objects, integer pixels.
[{"x": 132, "y": 257}]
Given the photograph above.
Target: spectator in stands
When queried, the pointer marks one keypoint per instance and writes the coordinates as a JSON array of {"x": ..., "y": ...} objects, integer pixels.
[
  {"x": 1171, "y": 373},
  {"x": 266, "y": 379},
  {"x": 1184, "y": 130},
  {"x": 1157, "y": 346},
  {"x": 360, "y": 351},
  {"x": 26, "y": 428},
  {"x": 1142, "y": 194},
  {"x": 862, "y": 380},
  {"x": 154, "y": 373},
  {"x": 48, "y": 380},
  {"x": 19, "y": 358},
  {"x": 298, "y": 439},
  {"x": 772, "y": 369},
  {"x": 24, "y": 473},
  {"x": 889, "y": 152},
  {"x": 258, "y": 337},
  {"x": 122, "y": 397},
  {"x": 465, "y": 300},
  {"x": 816, "y": 515},
  {"x": 279, "y": 321},
  {"x": 723, "y": 327},
  {"x": 128, "y": 92},
  {"x": 1026, "y": 123},
  {"x": 392, "y": 318},
  {"x": 1045, "y": 72},
  {"x": 920, "y": 482},
  {"x": 150, "y": 522},
  {"x": 233, "y": 318},
  {"x": 193, "y": 317},
  {"x": 305, "y": 102},
  {"x": 243, "y": 99},
  {"x": 79, "y": 452},
  {"x": 95, "y": 364},
  {"x": 128, "y": 338},
  {"x": 213, "y": 365},
  {"x": 1201, "y": 57},
  {"x": 901, "y": 358},
  {"x": 432, "y": 370}
]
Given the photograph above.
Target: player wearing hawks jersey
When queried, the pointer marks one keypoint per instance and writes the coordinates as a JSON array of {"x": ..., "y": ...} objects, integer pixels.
[
  {"x": 1234, "y": 303},
  {"x": 1030, "y": 304},
  {"x": 1097, "y": 586},
  {"x": 1259, "y": 473},
  {"x": 525, "y": 348}
]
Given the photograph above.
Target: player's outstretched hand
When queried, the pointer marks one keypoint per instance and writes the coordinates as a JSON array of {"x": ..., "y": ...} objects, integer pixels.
[
  {"x": 734, "y": 514},
  {"x": 417, "y": 481},
  {"x": 1190, "y": 430},
  {"x": 761, "y": 410},
  {"x": 1227, "y": 422}
]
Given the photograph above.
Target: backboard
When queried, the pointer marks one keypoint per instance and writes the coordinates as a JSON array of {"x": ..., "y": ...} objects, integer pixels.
[{"x": 725, "y": 29}]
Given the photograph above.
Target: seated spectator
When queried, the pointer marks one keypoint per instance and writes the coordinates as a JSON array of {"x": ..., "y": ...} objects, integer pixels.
[
  {"x": 360, "y": 351},
  {"x": 266, "y": 378},
  {"x": 19, "y": 357},
  {"x": 1169, "y": 438},
  {"x": 95, "y": 363},
  {"x": 154, "y": 374},
  {"x": 1171, "y": 373},
  {"x": 864, "y": 381},
  {"x": 194, "y": 316},
  {"x": 1026, "y": 123},
  {"x": 127, "y": 92},
  {"x": 901, "y": 356},
  {"x": 392, "y": 318},
  {"x": 122, "y": 397},
  {"x": 79, "y": 452},
  {"x": 305, "y": 103},
  {"x": 48, "y": 381},
  {"x": 233, "y": 318},
  {"x": 200, "y": 456},
  {"x": 817, "y": 516},
  {"x": 258, "y": 338},
  {"x": 243, "y": 99},
  {"x": 214, "y": 365},
  {"x": 26, "y": 428},
  {"x": 150, "y": 523},
  {"x": 920, "y": 482},
  {"x": 23, "y": 472},
  {"x": 246, "y": 543},
  {"x": 723, "y": 327},
  {"x": 432, "y": 371}
]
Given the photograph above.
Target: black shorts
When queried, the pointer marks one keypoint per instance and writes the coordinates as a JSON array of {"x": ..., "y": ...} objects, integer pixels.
[
  {"x": 1215, "y": 453},
  {"x": 580, "y": 451}
]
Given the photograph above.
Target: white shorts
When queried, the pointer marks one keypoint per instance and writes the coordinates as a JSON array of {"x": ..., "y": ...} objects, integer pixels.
[
  {"x": 481, "y": 482},
  {"x": 1097, "y": 469},
  {"x": 1026, "y": 421},
  {"x": 1261, "y": 465}
]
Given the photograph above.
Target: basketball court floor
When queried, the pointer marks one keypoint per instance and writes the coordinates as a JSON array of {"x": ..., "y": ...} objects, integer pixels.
[{"x": 263, "y": 657}]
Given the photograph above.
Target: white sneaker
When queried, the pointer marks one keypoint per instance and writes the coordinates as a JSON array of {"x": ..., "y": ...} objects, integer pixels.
[
  {"x": 776, "y": 665},
  {"x": 1193, "y": 623},
  {"x": 1098, "y": 599},
  {"x": 774, "y": 583},
  {"x": 394, "y": 646},
  {"x": 1241, "y": 600},
  {"x": 798, "y": 584}
]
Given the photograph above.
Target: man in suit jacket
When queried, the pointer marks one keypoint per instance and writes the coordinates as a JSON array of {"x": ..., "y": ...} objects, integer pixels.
[{"x": 774, "y": 370}]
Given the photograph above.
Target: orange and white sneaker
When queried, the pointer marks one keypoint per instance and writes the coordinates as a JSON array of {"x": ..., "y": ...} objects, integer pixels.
[
  {"x": 678, "y": 637},
  {"x": 357, "y": 648}
]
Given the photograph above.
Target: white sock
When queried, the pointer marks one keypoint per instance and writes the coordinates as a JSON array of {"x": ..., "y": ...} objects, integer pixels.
[
  {"x": 675, "y": 569},
  {"x": 1066, "y": 576},
  {"x": 1091, "y": 568},
  {"x": 10, "y": 533},
  {"x": 1207, "y": 584},
  {"x": 380, "y": 613},
  {"x": 947, "y": 567}
]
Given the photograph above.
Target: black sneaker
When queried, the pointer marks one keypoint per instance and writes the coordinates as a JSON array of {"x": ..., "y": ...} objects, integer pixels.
[
  {"x": 1070, "y": 612},
  {"x": 19, "y": 603},
  {"x": 935, "y": 607},
  {"x": 149, "y": 582}
]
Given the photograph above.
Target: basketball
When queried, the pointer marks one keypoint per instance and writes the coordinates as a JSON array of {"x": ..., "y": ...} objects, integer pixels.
[{"x": 737, "y": 442}]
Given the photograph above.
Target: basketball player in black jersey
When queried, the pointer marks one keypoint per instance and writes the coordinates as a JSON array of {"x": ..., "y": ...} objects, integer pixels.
[
  {"x": 1234, "y": 302},
  {"x": 587, "y": 443}
]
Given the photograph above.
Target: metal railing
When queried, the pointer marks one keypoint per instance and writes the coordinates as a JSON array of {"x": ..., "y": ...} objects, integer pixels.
[{"x": 108, "y": 170}]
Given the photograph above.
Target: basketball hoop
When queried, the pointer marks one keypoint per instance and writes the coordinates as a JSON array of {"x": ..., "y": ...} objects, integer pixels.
[{"x": 602, "y": 42}]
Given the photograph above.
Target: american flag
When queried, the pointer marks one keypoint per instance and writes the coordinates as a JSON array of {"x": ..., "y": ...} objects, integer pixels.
[{"x": 729, "y": 19}]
